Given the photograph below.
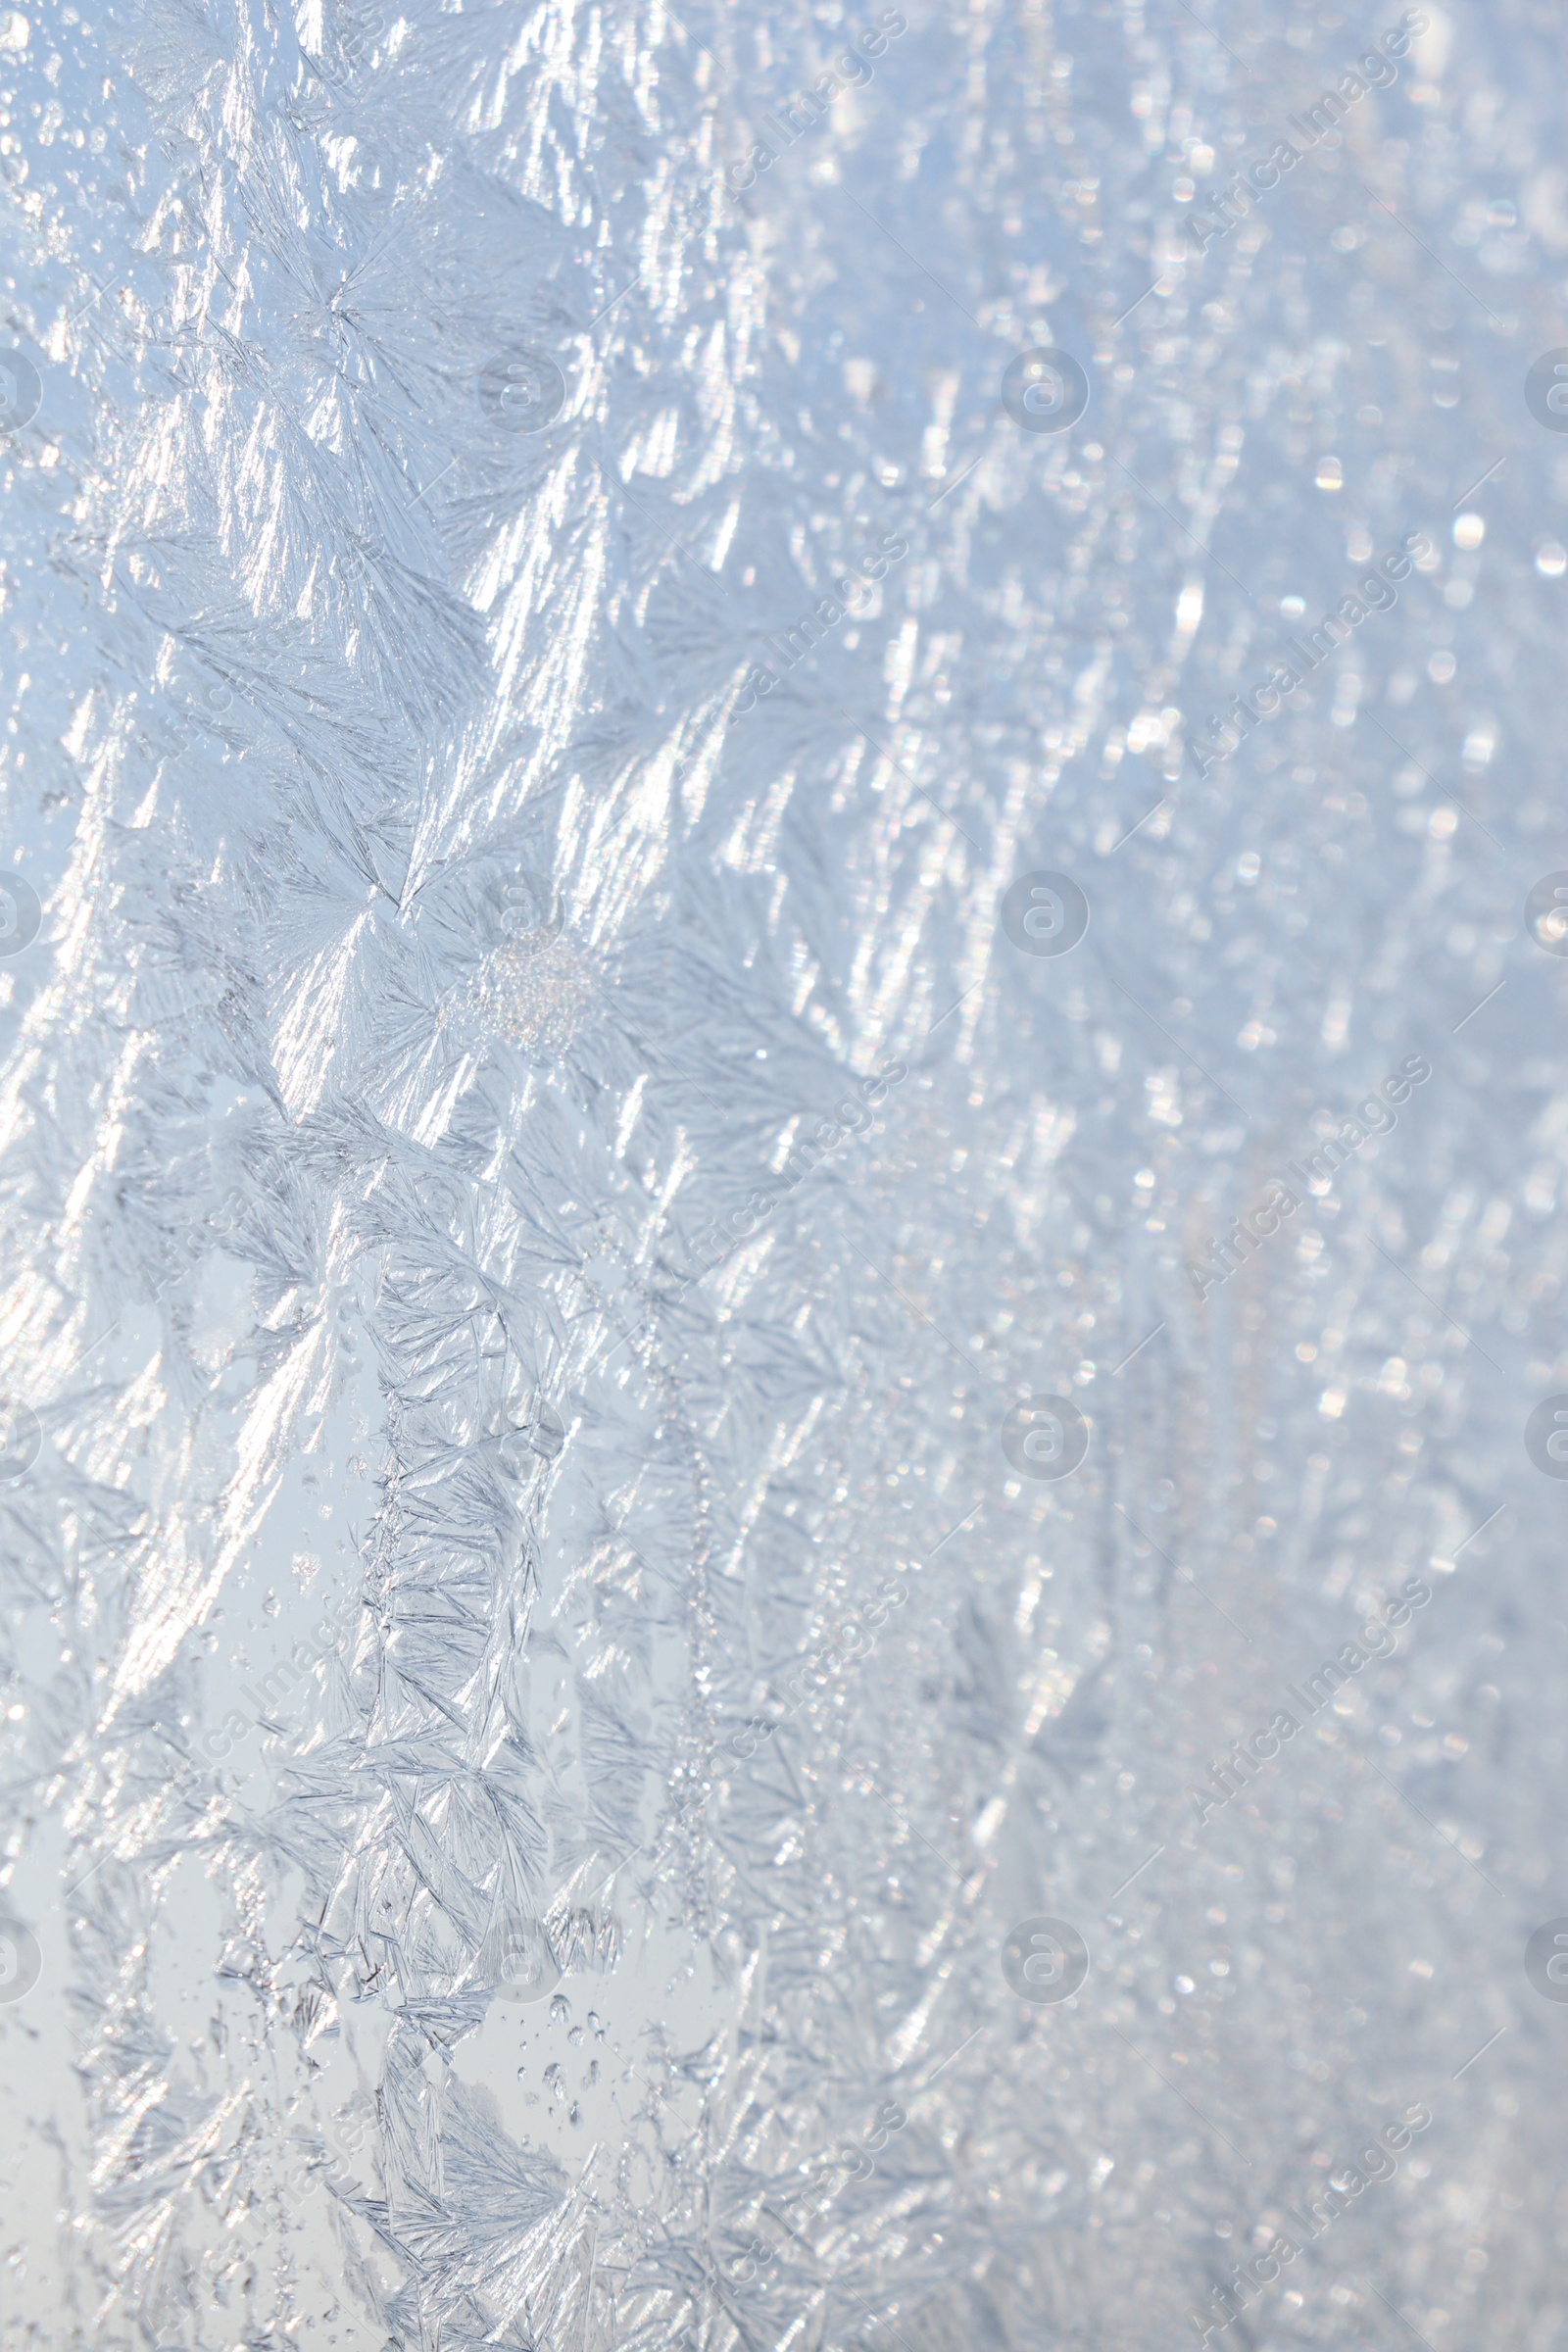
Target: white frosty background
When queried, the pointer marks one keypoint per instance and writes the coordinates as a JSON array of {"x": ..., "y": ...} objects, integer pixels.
[{"x": 426, "y": 961}]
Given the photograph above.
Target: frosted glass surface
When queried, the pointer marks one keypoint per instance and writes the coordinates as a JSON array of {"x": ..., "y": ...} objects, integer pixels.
[{"x": 784, "y": 1408}]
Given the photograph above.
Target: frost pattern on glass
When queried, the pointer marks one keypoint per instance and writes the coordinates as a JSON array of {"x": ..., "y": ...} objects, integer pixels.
[{"x": 781, "y": 938}]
